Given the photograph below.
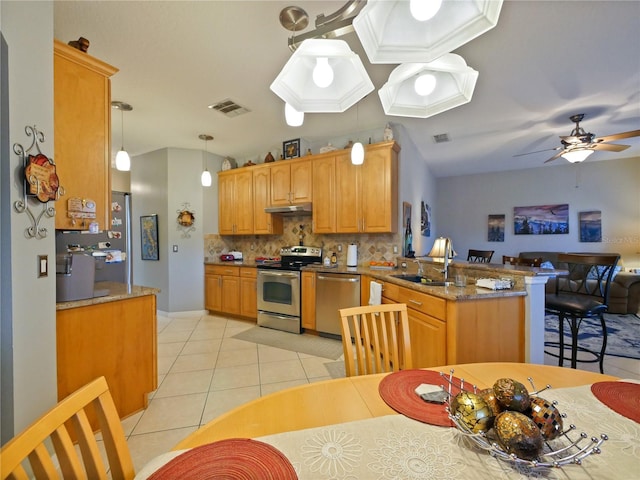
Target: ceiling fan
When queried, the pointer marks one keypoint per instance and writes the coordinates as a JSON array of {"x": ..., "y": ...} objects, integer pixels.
[{"x": 578, "y": 145}]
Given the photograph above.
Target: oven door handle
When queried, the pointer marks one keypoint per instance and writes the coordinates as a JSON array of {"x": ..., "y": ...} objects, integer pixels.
[{"x": 279, "y": 274}]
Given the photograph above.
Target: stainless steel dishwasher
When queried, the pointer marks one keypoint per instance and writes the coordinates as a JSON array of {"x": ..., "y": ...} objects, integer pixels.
[{"x": 334, "y": 291}]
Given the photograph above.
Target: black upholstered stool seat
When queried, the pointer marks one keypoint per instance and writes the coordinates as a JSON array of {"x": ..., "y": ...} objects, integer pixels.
[{"x": 583, "y": 293}]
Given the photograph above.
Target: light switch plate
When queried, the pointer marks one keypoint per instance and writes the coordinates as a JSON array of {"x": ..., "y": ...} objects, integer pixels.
[
  {"x": 175, "y": 248},
  {"x": 43, "y": 265}
]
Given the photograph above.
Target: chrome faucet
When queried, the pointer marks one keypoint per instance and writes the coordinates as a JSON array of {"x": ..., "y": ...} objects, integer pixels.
[{"x": 420, "y": 269}]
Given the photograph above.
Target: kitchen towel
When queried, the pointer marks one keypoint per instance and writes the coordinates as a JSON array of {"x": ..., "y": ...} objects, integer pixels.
[{"x": 375, "y": 293}]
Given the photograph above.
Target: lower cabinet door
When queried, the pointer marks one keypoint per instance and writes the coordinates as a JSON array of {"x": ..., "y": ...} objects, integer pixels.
[{"x": 428, "y": 340}]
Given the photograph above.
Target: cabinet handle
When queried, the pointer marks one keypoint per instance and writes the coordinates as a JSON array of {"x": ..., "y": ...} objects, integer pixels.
[{"x": 415, "y": 302}]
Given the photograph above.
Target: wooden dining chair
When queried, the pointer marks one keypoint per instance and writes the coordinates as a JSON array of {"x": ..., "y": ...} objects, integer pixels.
[
  {"x": 583, "y": 293},
  {"x": 375, "y": 339},
  {"x": 480, "y": 256},
  {"x": 76, "y": 453}
]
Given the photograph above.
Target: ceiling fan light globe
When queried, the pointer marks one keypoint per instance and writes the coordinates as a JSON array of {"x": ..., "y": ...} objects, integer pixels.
[
  {"x": 293, "y": 117},
  {"x": 357, "y": 154},
  {"x": 322, "y": 73},
  {"x": 577, "y": 156},
  {"x": 423, "y": 10},
  {"x": 123, "y": 161},
  {"x": 425, "y": 84}
]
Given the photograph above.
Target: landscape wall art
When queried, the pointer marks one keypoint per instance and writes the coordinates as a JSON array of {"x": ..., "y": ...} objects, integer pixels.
[{"x": 541, "y": 220}]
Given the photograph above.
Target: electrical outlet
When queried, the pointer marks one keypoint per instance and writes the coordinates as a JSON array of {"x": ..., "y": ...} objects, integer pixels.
[
  {"x": 175, "y": 248},
  {"x": 395, "y": 249},
  {"x": 339, "y": 247}
]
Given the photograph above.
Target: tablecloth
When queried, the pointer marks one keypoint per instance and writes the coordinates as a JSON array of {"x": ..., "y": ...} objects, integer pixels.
[{"x": 397, "y": 447}]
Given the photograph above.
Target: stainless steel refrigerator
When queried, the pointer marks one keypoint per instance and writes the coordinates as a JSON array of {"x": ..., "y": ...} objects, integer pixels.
[{"x": 111, "y": 248}]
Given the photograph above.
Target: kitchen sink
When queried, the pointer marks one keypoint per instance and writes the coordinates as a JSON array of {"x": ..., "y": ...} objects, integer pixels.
[{"x": 422, "y": 280}]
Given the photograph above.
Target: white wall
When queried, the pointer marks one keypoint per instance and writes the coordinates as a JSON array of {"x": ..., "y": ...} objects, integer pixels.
[
  {"x": 611, "y": 186},
  {"x": 30, "y": 323},
  {"x": 162, "y": 182}
]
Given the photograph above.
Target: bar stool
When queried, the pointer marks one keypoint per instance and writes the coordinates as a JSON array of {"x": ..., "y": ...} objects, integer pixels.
[
  {"x": 583, "y": 293},
  {"x": 479, "y": 256}
]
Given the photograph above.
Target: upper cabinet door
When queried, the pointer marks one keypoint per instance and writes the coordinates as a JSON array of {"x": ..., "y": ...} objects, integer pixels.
[
  {"x": 324, "y": 195},
  {"x": 291, "y": 182},
  {"x": 379, "y": 186},
  {"x": 82, "y": 138}
]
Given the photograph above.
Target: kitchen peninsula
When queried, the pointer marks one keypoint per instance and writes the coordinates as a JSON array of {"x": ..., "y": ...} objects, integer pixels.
[
  {"x": 115, "y": 336},
  {"x": 452, "y": 324}
]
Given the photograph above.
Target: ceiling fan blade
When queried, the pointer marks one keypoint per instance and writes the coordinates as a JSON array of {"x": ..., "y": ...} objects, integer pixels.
[
  {"x": 617, "y": 136},
  {"x": 609, "y": 147},
  {"x": 537, "y": 151},
  {"x": 557, "y": 155}
]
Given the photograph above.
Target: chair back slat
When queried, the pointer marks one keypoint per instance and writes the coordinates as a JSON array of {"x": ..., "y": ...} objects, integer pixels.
[
  {"x": 480, "y": 256},
  {"x": 66, "y": 421},
  {"x": 380, "y": 335},
  {"x": 589, "y": 275}
]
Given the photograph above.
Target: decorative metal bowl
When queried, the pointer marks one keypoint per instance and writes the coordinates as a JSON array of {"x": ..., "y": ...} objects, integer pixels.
[{"x": 570, "y": 447}]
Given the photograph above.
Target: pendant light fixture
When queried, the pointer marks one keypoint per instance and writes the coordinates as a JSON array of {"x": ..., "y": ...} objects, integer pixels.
[
  {"x": 205, "y": 178},
  {"x": 123, "y": 161},
  {"x": 357, "y": 150}
]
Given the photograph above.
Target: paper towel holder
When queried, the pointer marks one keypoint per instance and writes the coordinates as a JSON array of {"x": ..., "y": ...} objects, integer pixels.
[{"x": 352, "y": 255}]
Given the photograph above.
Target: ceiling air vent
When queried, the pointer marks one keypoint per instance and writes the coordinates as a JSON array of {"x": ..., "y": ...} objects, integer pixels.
[
  {"x": 441, "y": 138},
  {"x": 229, "y": 108}
]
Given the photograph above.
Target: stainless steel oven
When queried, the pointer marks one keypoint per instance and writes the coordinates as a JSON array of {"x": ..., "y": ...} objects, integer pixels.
[
  {"x": 279, "y": 300},
  {"x": 279, "y": 288}
]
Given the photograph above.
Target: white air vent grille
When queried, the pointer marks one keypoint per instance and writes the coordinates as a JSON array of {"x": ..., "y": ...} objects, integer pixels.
[
  {"x": 441, "y": 138},
  {"x": 229, "y": 108}
]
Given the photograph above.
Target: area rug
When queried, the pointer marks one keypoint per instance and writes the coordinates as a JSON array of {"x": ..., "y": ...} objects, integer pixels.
[
  {"x": 623, "y": 334},
  {"x": 301, "y": 343}
]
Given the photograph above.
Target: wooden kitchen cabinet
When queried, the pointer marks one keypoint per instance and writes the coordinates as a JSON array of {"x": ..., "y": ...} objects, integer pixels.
[
  {"x": 82, "y": 137},
  {"x": 248, "y": 292},
  {"x": 231, "y": 290},
  {"x": 115, "y": 339},
  {"x": 291, "y": 182},
  {"x": 367, "y": 194},
  {"x": 460, "y": 331},
  {"x": 263, "y": 223},
  {"x": 324, "y": 195},
  {"x": 309, "y": 300},
  {"x": 235, "y": 202}
]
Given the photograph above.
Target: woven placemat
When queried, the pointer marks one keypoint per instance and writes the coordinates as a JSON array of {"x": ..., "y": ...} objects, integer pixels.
[
  {"x": 621, "y": 397},
  {"x": 237, "y": 458},
  {"x": 398, "y": 391}
]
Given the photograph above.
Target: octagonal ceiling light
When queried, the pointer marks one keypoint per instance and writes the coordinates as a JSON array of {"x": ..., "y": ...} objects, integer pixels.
[
  {"x": 295, "y": 83},
  {"x": 454, "y": 85},
  {"x": 389, "y": 32}
]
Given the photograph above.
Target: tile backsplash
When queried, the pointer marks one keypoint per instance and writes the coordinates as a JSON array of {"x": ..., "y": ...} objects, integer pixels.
[{"x": 296, "y": 231}]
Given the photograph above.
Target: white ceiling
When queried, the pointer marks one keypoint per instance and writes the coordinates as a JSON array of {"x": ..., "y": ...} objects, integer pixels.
[{"x": 544, "y": 61}]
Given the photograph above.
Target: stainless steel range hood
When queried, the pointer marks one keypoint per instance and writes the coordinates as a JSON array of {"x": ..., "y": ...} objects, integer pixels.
[{"x": 290, "y": 210}]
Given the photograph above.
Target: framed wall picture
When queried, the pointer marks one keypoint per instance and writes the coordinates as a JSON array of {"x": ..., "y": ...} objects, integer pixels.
[
  {"x": 291, "y": 149},
  {"x": 541, "y": 220},
  {"x": 425, "y": 219},
  {"x": 591, "y": 226},
  {"x": 496, "y": 228},
  {"x": 149, "y": 237}
]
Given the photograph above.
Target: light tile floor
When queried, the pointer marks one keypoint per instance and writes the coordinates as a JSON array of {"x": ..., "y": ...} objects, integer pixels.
[{"x": 204, "y": 372}]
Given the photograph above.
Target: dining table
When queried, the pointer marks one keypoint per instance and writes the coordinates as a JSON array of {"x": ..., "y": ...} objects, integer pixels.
[{"x": 376, "y": 426}]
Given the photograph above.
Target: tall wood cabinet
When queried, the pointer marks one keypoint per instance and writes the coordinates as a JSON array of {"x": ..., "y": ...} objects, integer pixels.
[
  {"x": 367, "y": 194},
  {"x": 263, "y": 223},
  {"x": 235, "y": 202},
  {"x": 324, "y": 195},
  {"x": 82, "y": 137}
]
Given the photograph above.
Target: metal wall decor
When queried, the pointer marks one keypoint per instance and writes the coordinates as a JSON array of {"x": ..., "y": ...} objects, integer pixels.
[
  {"x": 186, "y": 219},
  {"x": 40, "y": 182}
]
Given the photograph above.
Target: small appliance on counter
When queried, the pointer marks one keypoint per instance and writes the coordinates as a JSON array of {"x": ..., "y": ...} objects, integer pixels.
[
  {"x": 75, "y": 277},
  {"x": 352, "y": 255}
]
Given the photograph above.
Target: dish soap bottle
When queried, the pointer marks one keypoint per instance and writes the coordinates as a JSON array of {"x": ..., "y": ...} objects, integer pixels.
[{"x": 334, "y": 259}]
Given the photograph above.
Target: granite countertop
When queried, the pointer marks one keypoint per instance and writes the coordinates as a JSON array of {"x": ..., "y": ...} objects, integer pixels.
[
  {"x": 472, "y": 270},
  {"x": 117, "y": 291}
]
